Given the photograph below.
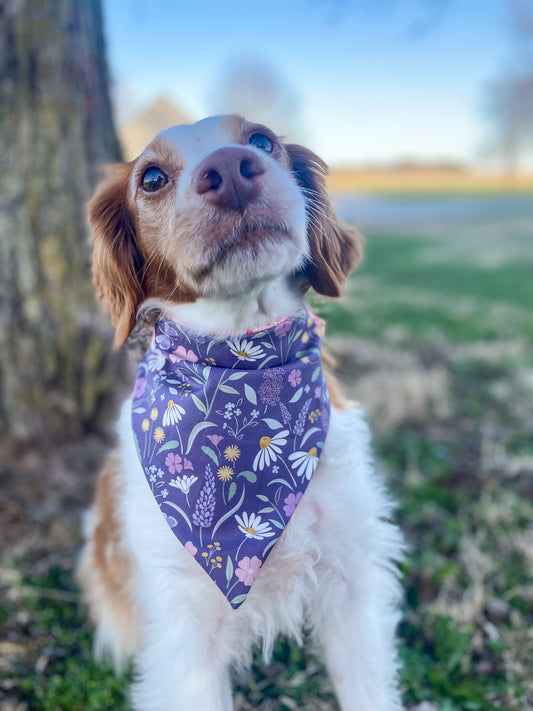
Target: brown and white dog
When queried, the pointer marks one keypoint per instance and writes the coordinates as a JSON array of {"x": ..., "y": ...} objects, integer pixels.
[{"x": 224, "y": 227}]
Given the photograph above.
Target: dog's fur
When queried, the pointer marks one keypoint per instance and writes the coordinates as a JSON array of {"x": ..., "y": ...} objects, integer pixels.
[{"x": 224, "y": 259}]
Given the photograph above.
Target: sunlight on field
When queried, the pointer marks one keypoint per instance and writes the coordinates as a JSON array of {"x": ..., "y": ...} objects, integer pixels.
[{"x": 426, "y": 180}]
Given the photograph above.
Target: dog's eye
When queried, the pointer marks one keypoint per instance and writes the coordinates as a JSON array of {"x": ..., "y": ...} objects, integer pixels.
[
  {"x": 259, "y": 140},
  {"x": 154, "y": 179}
]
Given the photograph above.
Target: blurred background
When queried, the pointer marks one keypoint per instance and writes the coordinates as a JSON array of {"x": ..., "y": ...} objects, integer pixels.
[{"x": 424, "y": 111}]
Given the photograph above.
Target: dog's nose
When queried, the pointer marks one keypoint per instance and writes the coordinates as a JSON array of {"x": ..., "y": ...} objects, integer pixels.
[{"x": 230, "y": 177}]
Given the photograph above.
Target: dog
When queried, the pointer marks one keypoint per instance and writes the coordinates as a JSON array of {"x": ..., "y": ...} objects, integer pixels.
[{"x": 241, "y": 501}]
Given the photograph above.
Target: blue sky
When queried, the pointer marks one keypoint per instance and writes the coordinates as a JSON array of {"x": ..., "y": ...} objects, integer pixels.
[{"x": 368, "y": 86}]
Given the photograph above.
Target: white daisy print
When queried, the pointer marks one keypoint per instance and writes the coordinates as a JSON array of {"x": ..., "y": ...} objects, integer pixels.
[
  {"x": 245, "y": 350},
  {"x": 252, "y": 527},
  {"x": 269, "y": 448},
  {"x": 305, "y": 462},
  {"x": 173, "y": 413},
  {"x": 183, "y": 483}
]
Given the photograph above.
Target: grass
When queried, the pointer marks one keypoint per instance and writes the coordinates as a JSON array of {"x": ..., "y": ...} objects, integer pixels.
[
  {"x": 441, "y": 351},
  {"x": 435, "y": 337}
]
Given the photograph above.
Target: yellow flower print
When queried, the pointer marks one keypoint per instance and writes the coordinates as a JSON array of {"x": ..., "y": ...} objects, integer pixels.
[
  {"x": 154, "y": 414},
  {"x": 159, "y": 435},
  {"x": 225, "y": 473},
  {"x": 185, "y": 389},
  {"x": 232, "y": 453},
  {"x": 145, "y": 425}
]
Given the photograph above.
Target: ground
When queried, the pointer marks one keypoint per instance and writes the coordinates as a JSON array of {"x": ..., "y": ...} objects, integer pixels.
[{"x": 434, "y": 337}]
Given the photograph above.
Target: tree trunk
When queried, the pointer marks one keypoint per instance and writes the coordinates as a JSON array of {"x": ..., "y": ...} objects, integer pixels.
[{"x": 56, "y": 130}]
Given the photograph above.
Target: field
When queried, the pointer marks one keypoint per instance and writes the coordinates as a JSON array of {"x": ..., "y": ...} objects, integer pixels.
[
  {"x": 435, "y": 337},
  {"x": 421, "y": 179}
]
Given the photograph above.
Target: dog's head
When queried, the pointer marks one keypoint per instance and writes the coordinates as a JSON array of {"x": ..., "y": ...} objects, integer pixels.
[{"x": 211, "y": 210}]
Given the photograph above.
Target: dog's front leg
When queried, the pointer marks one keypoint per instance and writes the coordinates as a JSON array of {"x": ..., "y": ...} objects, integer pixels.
[
  {"x": 179, "y": 672},
  {"x": 356, "y": 605},
  {"x": 355, "y": 626},
  {"x": 187, "y": 643}
]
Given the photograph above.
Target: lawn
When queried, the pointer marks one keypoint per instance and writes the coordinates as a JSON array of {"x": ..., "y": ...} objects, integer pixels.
[{"x": 435, "y": 337}]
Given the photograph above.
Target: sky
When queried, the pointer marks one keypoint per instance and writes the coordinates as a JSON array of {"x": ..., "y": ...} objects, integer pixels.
[{"x": 366, "y": 81}]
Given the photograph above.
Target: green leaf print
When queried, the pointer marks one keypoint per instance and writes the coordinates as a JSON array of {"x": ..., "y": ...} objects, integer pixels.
[
  {"x": 199, "y": 404},
  {"x": 210, "y": 453},
  {"x": 251, "y": 476},
  {"x": 229, "y": 569},
  {"x": 232, "y": 491},
  {"x": 171, "y": 444},
  {"x": 195, "y": 432},
  {"x": 250, "y": 394}
]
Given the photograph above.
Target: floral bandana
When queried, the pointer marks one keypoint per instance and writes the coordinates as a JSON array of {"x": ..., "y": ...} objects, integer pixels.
[{"x": 229, "y": 433}]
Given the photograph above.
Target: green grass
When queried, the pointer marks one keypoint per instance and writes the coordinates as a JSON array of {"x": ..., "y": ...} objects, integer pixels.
[
  {"x": 460, "y": 304},
  {"x": 449, "y": 314},
  {"x": 450, "y": 286},
  {"x": 57, "y": 671}
]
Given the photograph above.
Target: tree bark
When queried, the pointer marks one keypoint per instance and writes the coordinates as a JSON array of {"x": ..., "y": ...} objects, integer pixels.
[{"x": 56, "y": 129}]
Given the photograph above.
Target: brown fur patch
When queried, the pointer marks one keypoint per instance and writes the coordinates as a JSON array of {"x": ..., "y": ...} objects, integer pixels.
[
  {"x": 106, "y": 571},
  {"x": 163, "y": 153},
  {"x": 127, "y": 270},
  {"x": 336, "y": 248},
  {"x": 117, "y": 259}
]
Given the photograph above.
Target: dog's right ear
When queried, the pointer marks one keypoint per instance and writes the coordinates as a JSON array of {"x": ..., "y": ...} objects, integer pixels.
[
  {"x": 117, "y": 259},
  {"x": 335, "y": 247}
]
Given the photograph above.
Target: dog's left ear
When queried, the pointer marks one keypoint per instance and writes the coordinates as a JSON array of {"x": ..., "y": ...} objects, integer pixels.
[{"x": 336, "y": 248}]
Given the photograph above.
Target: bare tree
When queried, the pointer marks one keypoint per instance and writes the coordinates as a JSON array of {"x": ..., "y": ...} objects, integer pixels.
[
  {"x": 510, "y": 98},
  {"x": 252, "y": 87},
  {"x": 510, "y": 107},
  {"x": 56, "y": 128}
]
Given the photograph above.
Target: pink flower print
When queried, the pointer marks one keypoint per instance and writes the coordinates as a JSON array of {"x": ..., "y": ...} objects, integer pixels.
[
  {"x": 295, "y": 377},
  {"x": 140, "y": 387},
  {"x": 181, "y": 354},
  {"x": 191, "y": 548},
  {"x": 173, "y": 462},
  {"x": 320, "y": 325},
  {"x": 248, "y": 569},
  {"x": 291, "y": 502},
  {"x": 283, "y": 328},
  {"x": 318, "y": 392},
  {"x": 215, "y": 439},
  {"x": 187, "y": 464}
]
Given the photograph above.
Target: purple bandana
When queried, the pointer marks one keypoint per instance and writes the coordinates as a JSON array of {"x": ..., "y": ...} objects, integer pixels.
[{"x": 229, "y": 433}]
